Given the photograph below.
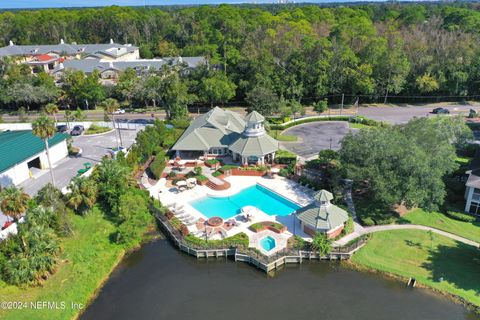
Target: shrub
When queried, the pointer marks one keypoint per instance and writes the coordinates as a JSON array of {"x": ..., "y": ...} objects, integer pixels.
[
  {"x": 158, "y": 165},
  {"x": 217, "y": 173},
  {"x": 461, "y": 216},
  {"x": 327, "y": 156},
  {"x": 212, "y": 162},
  {"x": 285, "y": 157},
  {"x": 299, "y": 243},
  {"x": 238, "y": 240},
  {"x": 95, "y": 129},
  {"x": 201, "y": 177},
  {"x": 367, "y": 221},
  {"x": 172, "y": 175},
  {"x": 228, "y": 167},
  {"x": 197, "y": 170},
  {"x": 349, "y": 227}
]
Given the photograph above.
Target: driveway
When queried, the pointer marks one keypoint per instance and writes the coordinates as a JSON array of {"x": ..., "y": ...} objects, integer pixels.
[
  {"x": 316, "y": 136},
  {"x": 93, "y": 149}
]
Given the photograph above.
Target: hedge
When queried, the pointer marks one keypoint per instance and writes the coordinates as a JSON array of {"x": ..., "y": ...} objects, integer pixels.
[
  {"x": 238, "y": 240},
  {"x": 285, "y": 157},
  {"x": 158, "y": 165},
  {"x": 461, "y": 216},
  {"x": 358, "y": 119}
]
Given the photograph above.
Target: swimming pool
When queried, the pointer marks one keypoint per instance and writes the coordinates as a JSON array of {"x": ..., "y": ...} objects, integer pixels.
[
  {"x": 258, "y": 196},
  {"x": 267, "y": 243}
]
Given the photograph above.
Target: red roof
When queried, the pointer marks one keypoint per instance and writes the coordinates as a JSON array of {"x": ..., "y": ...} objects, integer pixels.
[{"x": 44, "y": 57}]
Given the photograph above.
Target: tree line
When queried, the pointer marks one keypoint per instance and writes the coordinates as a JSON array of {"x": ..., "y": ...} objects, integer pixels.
[{"x": 286, "y": 54}]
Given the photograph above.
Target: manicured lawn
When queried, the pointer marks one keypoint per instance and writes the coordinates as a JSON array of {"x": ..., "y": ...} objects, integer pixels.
[
  {"x": 427, "y": 258},
  {"x": 87, "y": 259},
  {"x": 440, "y": 221},
  {"x": 277, "y": 134}
]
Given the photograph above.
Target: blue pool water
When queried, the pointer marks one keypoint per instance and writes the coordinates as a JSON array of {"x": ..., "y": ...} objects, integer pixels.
[
  {"x": 267, "y": 243},
  {"x": 258, "y": 196}
]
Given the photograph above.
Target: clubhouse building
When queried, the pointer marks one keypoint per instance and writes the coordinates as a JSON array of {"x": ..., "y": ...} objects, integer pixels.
[{"x": 223, "y": 133}]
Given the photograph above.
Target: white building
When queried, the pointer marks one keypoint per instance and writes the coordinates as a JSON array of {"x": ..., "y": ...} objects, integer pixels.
[{"x": 22, "y": 154}]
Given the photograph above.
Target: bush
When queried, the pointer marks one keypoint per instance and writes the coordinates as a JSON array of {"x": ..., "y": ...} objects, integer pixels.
[
  {"x": 367, "y": 221},
  {"x": 238, "y": 240},
  {"x": 171, "y": 175},
  {"x": 285, "y": 157},
  {"x": 158, "y": 165},
  {"x": 308, "y": 120},
  {"x": 95, "y": 129},
  {"x": 228, "y": 167},
  {"x": 217, "y": 173},
  {"x": 349, "y": 227},
  {"x": 197, "y": 170},
  {"x": 327, "y": 156},
  {"x": 201, "y": 177},
  {"x": 212, "y": 162},
  {"x": 460, "y": 216}
]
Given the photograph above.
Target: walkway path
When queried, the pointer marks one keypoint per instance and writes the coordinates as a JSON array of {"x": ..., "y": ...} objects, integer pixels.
[{"x": 358, "y": 233}]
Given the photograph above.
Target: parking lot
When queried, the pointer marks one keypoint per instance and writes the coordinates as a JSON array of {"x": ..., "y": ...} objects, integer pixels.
[
  {"x": 316, "y": 136},
  {"x": 93, "y": 149}
]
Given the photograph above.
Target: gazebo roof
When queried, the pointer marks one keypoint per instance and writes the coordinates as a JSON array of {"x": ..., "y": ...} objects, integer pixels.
[
  {"x": 254, "y": 116},
  {"x": 323, "y": 196}
]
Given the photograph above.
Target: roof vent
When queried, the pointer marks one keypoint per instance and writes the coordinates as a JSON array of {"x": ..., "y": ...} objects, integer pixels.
[
  {"x": 10, "y": 43},
  {"x": 61, "y": 41}
]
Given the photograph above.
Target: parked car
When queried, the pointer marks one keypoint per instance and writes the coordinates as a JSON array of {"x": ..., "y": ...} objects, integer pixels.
[
  {"x": 62, "y": 128},
  {"x": 440, "y": 111},
  {"x": 77, "y": 130},
  {"x": 119, "y": 111}
]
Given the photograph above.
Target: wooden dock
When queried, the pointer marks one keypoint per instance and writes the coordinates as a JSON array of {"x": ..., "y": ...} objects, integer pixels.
[{"x": 264, "y": 263}]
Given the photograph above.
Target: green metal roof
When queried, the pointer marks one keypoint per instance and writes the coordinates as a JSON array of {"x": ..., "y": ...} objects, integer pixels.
[
  {"x": 216, "y": 128},
  {"x": 254, "y": 117},
  {"x": 322, "y": 217},
  {"x": 254, "y": 146},
  {"x": 17, "y": 146},
  {"x": 323, "y": 195}
]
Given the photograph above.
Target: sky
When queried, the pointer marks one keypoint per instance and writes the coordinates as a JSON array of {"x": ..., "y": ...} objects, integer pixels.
[{"x": 13, "y": 4}]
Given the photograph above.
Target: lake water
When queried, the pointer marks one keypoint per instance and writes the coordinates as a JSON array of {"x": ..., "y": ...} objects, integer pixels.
[{"x": 159, "y": 282}]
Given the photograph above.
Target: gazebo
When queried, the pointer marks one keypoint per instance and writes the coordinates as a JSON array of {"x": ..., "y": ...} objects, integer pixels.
[{"x": 322, "y": 216}]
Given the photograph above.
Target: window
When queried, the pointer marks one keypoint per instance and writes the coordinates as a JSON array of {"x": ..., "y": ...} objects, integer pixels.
[{"x": 474, "y": 208}]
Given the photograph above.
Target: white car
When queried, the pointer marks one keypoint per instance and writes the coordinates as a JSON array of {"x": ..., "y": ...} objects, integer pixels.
[{"x": 119, "y": 111}]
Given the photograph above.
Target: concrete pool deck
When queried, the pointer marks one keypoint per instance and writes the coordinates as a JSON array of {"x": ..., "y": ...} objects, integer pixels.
[{"x": 284, "y": 187}]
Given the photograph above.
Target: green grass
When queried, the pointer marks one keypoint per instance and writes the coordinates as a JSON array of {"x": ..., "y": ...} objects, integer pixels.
[
  {"x": 87, "y": 259},
  {"x": 358, "y": 126},
  {"x": 440, "y": 221},
  {"x": 277, "y": 134},
  {"x": 427, "y": 258},
  {"x": 94, "y": 129}
]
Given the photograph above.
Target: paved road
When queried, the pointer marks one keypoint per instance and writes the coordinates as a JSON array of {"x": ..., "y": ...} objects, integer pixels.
[
  {"x": 397, "y": 115},
  {"x": 316, "y": 136},
  {"x": 93, "y": 149}
]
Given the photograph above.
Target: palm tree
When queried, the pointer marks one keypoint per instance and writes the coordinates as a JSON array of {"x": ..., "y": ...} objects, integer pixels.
[
  {"x": 52, "y": 109},
  {"x": 83, "y": 194},
  {"x": 14, "y": 202},
  {"x": 111, "y": 105},
  {"x": 44, "y": 128}
]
